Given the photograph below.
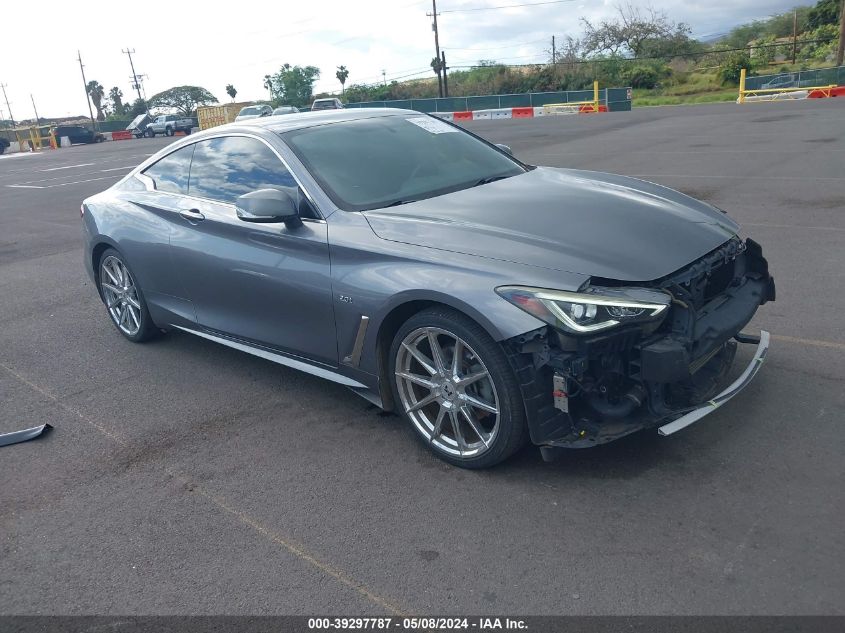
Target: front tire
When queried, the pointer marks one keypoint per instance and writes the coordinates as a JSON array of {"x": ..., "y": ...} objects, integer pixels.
[
  {"x": 123, "y": 298},
  {"x": 453, "y": 383}
]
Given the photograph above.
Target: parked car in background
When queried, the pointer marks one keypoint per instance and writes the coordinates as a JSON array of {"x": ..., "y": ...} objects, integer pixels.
[
  {"x": 139, "y": 125},
  {"x": 169, "y": 124},
  {"x": 781, "y": 81},
  {"x": 77, "y": 134},
  {"x": 327, "y": 104},
  {"x": 253, "y": 112},
  {"x": 488, "y": 301},
  {"x": 4, "y": 144},
  {"x": 285, "y": 110}
]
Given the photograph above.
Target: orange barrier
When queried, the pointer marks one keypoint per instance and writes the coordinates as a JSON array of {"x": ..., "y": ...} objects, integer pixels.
[
  {"x": 463, "y": 116},
  {"x": 522, "y": 113},
  {"x": 822, "y": 93},
  {"x": 589, "y": 108},
  {"x": 121, "y": 135}
]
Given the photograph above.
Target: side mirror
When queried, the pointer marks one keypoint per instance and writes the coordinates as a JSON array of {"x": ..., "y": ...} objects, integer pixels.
[
  {"x": 505, "y": 148},
  {"x": 268, "y": 205}
]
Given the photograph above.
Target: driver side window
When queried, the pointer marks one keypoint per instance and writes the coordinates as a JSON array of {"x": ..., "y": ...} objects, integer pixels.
[{"x": 227, "y": 167}]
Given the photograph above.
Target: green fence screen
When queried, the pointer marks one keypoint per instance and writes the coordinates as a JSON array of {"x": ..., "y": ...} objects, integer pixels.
[
  {"x": 801, "y": 79},
  {"x": 616, "y": 99}
]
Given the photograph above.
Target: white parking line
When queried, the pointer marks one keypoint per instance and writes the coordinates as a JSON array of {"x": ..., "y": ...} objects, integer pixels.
[
  {"x": 118, "y": 168},
  {"x": 65, "y": 184},
  {"x": 68, "y": 167},
  {"x": 76, "y": 182}
]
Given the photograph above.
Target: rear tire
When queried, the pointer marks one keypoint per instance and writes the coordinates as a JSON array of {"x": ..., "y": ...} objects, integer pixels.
[
  {"x": 150, "y": 133},
  {"x": 123, "y": 298},
  {"x": 470, "y": 411}
]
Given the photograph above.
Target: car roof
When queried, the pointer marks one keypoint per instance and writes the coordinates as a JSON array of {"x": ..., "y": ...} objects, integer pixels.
[{"x": 300, "y": 120}]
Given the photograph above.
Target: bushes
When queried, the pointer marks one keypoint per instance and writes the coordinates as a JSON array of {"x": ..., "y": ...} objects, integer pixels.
[
  {"x": 732, "y": 64},
  {"x": 643, "y": 75}
]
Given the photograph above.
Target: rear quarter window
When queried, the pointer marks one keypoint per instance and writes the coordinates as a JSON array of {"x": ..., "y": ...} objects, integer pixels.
[{"x": 170, "y": 174}]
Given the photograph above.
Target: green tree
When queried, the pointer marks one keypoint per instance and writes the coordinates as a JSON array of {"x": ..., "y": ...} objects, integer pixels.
[
  {"x": 292, "y": 85},
  {"x": 825, "y": 12},
  {"x": 139, "y": 106},
  {"x": 116, "y": 98},
  {"x": 183, "y": 99},
  {"x": 97, "y": 92},
  {"x": 732, "y": 64},
  {"x": 341, "y": 74},
  {"x": 632, "y": 32},
  {"x": 231, "y": 91}
]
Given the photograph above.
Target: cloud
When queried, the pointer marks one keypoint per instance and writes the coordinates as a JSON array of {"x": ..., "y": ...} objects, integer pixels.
[{"x": 221, "y": 43}]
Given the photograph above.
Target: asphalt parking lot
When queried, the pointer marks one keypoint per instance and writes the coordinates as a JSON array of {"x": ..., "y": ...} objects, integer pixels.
[{"x": 183, "y": 477}]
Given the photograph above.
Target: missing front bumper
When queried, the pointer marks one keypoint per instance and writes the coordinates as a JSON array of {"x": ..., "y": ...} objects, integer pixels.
[{"x": 734, "y": 388}]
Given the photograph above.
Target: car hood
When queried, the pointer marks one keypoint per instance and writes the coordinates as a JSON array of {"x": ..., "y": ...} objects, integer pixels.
[{"x": 583, "y": 222}]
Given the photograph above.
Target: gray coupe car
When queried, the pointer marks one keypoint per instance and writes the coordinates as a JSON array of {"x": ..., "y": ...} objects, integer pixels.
[{"x": 487, "y": 301}]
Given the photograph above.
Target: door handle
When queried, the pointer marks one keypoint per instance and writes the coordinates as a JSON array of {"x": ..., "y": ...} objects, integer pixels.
[{"x": 192, "y": 215}]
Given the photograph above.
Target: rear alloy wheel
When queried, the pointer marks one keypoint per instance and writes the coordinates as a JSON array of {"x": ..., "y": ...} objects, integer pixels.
[
  {"x": 454, "y": 384},
  {"x": 124, "y": 300}
]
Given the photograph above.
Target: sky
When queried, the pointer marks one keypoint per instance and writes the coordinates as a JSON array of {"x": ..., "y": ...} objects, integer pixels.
[{"x": 212, "y": 44}]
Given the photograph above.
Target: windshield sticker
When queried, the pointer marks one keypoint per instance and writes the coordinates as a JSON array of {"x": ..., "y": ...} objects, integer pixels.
[{"x": 429, "y": 124}]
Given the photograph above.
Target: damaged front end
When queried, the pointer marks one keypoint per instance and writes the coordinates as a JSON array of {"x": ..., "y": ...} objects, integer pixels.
[{"x": 617, "y": 358}]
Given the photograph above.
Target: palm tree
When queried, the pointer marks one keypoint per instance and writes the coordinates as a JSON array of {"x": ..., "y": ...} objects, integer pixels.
[
  {"x": 96, "y": 91},
  {"x": 341, "y": 74},
  {"x": 231, "y": 91}
]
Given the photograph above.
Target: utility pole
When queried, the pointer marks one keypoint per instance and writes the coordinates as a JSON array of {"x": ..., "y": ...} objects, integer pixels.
[
  {"x": 433, "y": 15},
  {"x": 135, "y": 83},
  {"x": 384, "y": 77},
  {"x": 794, "y": 36},
  {"x": 87, "y": 96},
  {"x": 841, "y": 51},
  {"x": 443, "y": 68},
  {"x": 34, "y": 108},
  {"x": 554, "y": 57},
  {"x": 8, "y": 107}
]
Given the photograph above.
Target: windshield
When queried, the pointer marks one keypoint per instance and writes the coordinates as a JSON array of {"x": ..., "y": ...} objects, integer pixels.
[
  {"x": 378, "y": 162},
  {"x": 323, "y": 105},
  {"x": 248, "y": 111}
]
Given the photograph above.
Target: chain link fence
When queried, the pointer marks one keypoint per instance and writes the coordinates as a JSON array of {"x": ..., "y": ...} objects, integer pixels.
[
  {"x": 616, "y": 99},
  {"x": 801, "y": 79}
]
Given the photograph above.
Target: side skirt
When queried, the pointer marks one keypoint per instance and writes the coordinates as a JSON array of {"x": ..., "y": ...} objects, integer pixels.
[{"x": 280, "y": 359}]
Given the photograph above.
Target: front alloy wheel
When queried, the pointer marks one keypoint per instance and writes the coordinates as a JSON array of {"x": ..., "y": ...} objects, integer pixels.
[{"x": 454, "y": 385}]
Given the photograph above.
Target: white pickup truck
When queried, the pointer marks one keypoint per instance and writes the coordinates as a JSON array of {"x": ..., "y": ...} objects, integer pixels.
[{"x": 169, "y": 124}]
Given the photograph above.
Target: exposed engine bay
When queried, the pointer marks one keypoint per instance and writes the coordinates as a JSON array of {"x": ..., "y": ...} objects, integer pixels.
[{"x": 596, "y": 387}]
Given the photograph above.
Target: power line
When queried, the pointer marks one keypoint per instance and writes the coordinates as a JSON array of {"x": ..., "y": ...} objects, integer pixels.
[
  {"x": 600, "y": 60},
  {"x": 8, "y": 107},
  {"x": 506, "y": 6},
  {"x": 87, "y": 95},
  {"x": 437, "y": 68},
  {"x": 497, "y": 48},
  {"x": 136, "y": 85}
]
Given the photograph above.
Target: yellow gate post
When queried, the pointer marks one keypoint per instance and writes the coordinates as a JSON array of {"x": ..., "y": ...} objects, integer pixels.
[
  {"x": 595, "y": 96},
  {"x": 742, "y": 85}
]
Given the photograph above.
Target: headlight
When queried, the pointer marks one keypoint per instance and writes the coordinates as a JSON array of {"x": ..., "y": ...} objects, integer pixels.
[{"x": 592, "y": 310}]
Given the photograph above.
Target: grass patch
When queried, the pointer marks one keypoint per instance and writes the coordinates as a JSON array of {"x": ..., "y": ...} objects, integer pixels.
[{"x": 717, "y": 96}]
